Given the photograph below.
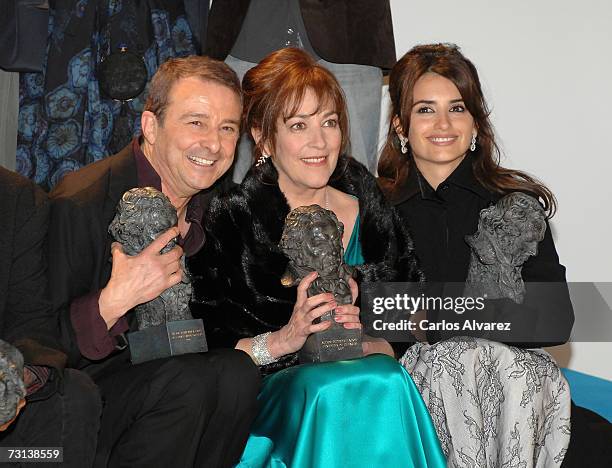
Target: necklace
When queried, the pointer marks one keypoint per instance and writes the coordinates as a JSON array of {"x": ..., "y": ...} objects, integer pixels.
[{"x": 326, "y": 199}]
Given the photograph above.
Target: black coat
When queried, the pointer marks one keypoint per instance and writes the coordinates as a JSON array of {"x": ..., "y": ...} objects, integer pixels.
[
  {"x": 237, "y": 273},
  {"x": 439, "y": 221},
  {"x": 83, "y": 205},
  {"x": 26, "y": 317},
  {"x": 340, "y": 31}
]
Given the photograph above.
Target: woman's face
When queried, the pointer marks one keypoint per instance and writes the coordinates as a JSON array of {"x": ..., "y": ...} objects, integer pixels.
[
  {"x": 441, "y": 127},
  {"x": 307, "y": 145}
]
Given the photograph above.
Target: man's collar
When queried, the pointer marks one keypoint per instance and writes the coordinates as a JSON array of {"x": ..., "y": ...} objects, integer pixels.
[{"x": 147, "y": 176}]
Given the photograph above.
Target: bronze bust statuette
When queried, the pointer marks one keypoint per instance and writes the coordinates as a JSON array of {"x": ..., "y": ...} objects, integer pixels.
[{"x": 312, "y": 240}]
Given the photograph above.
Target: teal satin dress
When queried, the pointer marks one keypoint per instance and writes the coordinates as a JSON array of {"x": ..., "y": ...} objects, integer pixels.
[{"x": 359, "y": 413}]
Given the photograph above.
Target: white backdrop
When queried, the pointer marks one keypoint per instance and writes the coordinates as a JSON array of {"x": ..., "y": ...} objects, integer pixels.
[{"x": 546, "y": 68}]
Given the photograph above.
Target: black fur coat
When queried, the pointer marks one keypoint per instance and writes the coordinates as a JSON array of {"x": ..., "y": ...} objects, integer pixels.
[{"x": 237, "y": 288}]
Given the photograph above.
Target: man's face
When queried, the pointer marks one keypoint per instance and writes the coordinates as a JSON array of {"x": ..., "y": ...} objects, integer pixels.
[{"x": 195, "y": 143}]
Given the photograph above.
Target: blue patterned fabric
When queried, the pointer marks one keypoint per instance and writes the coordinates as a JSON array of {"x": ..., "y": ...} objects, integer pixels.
[{"x": 64, "y": 121}]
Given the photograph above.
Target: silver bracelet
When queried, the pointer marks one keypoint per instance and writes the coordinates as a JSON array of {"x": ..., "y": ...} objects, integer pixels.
[{"x": 260, "y": 351}]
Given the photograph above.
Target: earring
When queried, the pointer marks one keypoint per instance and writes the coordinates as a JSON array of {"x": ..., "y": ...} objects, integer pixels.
[
  {"x": 262, "y": 159},
  {"x": 403, "y": 143},
  {"x": 473, "y": 144}
]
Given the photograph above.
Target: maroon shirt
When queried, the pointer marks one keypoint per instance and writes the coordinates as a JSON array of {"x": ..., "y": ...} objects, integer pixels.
[{"x": 95, "y": 341}]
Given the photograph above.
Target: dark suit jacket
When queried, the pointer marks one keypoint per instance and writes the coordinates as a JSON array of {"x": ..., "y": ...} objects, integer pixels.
[
  {"x": 26, "y": 318},
  {"x": 82, "y": 206},
  {"x": 340, "y": 31}
]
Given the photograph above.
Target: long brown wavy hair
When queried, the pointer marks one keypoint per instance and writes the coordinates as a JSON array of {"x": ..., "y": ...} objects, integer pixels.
[{"x": 447, "y": 60}]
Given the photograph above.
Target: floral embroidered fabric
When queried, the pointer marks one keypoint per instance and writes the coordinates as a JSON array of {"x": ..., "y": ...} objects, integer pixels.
[{"x": 492, "y": 404}]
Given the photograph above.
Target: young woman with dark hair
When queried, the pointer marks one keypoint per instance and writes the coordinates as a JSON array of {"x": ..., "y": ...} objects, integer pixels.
[
  {"x": 497, "y": 399},
  {"x": 445, "y": 61}
]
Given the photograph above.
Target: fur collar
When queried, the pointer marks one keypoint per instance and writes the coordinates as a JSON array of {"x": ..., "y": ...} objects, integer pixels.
[
  {"x": 237, "y": 289},
  {"x": 384, "y": 241}
]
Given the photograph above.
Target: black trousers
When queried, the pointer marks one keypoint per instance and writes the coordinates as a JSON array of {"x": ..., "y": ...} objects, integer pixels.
[
  {"x": 590, "y": 442},
  {"x": 68, "y": 417},
  {"x": 184, "y": 411}
]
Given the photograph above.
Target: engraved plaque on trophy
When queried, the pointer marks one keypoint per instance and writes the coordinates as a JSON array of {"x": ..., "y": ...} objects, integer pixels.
[
  {"x": 165, "y": 324},
  {"x": 312, "y": 240}
]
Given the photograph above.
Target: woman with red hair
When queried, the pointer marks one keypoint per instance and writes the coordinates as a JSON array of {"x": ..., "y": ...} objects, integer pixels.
[{"x": 362, "y": 412}]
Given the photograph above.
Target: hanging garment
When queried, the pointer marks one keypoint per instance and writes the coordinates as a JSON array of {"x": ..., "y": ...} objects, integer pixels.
[{"x": 65, "y": 121}]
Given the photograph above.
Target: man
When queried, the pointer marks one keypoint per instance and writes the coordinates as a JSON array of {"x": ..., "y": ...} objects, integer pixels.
[
  {"x": 62, "y": 406},
  {"x": 186, "y": 410}
]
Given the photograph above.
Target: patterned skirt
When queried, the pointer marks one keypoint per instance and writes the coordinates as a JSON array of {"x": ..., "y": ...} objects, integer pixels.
[{"x": 493, "y": 405}]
